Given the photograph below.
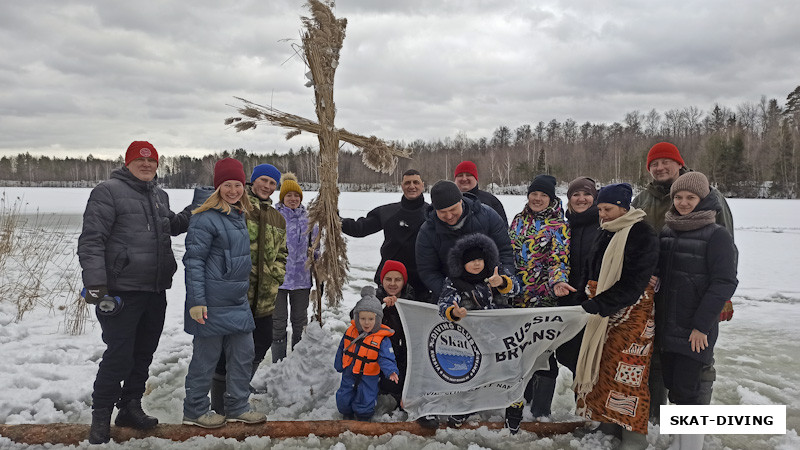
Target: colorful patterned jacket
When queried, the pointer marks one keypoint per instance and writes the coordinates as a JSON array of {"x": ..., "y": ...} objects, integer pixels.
[
  {"x": 541, "y": 253},
  {"x": 267, "y": 229}
]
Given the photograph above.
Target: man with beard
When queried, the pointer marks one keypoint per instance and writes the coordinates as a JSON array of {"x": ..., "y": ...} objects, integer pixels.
[
  {"x": 400, "y": 223},
  {"x": 665, "y": 164}
]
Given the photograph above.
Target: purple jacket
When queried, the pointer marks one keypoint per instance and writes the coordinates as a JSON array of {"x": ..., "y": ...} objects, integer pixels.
[{"x": 297, "y": 240}]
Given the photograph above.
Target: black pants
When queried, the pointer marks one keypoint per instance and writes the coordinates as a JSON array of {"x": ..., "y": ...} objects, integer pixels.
[
  {"x": 681, "y": 377},
  {"x": 262, "y": 338},
  {"x": 131, "y": 338},
  {"x": 568, "y": 352}
]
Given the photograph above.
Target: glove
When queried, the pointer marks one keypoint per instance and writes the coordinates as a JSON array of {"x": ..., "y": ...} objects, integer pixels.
[
  {"x": 93, "y": 295},
  {"x": 201, "y": 194},
  {"x": 199, "y": 313},
  {"x": 727, "y": 312}
]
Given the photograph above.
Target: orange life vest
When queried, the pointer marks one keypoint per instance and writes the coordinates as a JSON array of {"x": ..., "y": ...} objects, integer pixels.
[{"x": 363, "y": 355}]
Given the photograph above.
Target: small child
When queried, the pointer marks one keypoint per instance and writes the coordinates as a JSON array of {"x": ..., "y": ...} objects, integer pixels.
[
  {"x": 474, "y": 280},
  {"x": 362, "y": 355},
  {"x": 474, "y": 283}
]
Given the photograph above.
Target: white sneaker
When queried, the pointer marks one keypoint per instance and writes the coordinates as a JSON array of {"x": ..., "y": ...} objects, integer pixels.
[
  {"x": 207, "y": 420},
  {"x": 250, "y": 417}
]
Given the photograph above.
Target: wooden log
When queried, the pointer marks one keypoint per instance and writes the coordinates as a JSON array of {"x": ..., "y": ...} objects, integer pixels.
[{"x": 72, "y": 434}]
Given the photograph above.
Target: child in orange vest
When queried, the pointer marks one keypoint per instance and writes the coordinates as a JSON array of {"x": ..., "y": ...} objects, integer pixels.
[{"x": 363, "y": 354}]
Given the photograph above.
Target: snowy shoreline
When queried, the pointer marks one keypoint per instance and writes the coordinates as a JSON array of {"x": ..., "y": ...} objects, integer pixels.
[{"x": 48, "y": 374}]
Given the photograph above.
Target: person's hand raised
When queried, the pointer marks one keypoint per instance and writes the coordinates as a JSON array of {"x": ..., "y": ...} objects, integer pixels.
[{"x": 495, "y": 280}]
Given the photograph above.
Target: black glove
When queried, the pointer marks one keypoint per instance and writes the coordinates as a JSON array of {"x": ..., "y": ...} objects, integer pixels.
[{"x": 95, "y": 294}]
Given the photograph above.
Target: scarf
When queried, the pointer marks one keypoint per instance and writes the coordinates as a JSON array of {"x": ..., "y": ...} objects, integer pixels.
[
  {"x": 588, "y": 369},
  {"x": 692, "y": 221}
]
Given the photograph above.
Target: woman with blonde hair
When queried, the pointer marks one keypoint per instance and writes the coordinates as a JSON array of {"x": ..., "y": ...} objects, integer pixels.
[{"x": 217, "y": 313}]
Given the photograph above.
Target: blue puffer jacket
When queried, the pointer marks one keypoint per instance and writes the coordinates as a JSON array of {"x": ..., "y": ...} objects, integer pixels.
[
  {"x": 217, "y": 262},
  {"x": 436, "y": 238}
]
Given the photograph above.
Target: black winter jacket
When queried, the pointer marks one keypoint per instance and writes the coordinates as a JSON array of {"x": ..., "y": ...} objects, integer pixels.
[
  {"x": 400, "y": 223},
  {"x": 698, "y": 275},
  {"x": 488, "y": 199},
  {"x": 436, "y": 238},
  {"x": 641, "y": 259},
  {"x": 583, "y": 228},
  {"x": 125, "y": 243}
]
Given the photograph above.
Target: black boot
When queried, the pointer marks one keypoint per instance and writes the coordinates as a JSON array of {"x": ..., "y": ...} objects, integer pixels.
[
  {"x": 131, "y": 415},
  {"x": 514, "y": 417},
  {"x": 100, "y": 432}
]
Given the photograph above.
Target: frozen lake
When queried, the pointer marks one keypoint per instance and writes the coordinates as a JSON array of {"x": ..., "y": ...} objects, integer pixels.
[{"x": 48, "y": 374}]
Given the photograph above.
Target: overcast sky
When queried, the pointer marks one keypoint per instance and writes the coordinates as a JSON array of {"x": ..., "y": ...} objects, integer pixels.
[{"x": 80, "y": 77}]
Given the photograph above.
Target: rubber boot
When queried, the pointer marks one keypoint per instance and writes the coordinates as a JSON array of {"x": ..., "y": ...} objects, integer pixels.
[
  {"x": 218, "y": 394},
  {"x": 633, "y": 441},
  {"x": 100, "y": 432},
  {"x": 278, "y": 350},
  {"x": 543, "y": 389},
  {"x": 132, "y": 415}
]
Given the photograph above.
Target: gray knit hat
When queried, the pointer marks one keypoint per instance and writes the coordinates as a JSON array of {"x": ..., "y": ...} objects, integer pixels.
[
  {"x": 694, "y": 182},
  {"x": 369, "y": 302}
]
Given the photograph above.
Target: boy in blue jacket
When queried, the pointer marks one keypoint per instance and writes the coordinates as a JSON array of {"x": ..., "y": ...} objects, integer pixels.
[{"x": 363, "y": 354}]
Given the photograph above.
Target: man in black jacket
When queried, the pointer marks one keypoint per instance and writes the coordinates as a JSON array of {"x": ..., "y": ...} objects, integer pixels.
[
  {"x": 466, "y": 178},
  {"x": 400, "y": 223},
  {"x": 125, "y": 251}
]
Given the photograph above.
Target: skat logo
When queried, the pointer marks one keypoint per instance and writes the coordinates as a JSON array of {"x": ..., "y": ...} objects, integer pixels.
[{"x": 403, "y": 223}]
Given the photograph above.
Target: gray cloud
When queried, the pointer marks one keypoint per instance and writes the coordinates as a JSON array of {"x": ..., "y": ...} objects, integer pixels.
[{"x": 84, "y": 77}]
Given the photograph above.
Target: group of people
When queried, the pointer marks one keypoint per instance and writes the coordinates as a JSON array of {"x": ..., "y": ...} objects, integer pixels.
[
  {"x": 656, "y": 273},
  {"x": 246, "y": 279}
]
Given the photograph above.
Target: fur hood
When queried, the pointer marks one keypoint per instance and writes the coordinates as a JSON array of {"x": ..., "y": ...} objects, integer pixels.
[{"x": 454, "y": 266}]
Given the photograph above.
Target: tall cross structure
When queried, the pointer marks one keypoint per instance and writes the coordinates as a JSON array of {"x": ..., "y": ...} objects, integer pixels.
[{"x": 322, "y": 40}]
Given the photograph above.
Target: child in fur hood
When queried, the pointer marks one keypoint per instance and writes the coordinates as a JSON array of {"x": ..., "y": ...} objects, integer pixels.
[
  {"x": 476, "y": 280},
  {"x": 363, "y": 354}
]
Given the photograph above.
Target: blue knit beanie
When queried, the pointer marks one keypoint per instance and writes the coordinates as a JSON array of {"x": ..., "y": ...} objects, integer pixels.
[
  {"x": 268, "y": 170},
  {"x": 616, "y": 194}
]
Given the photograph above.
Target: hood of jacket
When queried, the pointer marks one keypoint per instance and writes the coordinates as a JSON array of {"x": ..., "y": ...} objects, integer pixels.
[{"x": 455, "y": 268}]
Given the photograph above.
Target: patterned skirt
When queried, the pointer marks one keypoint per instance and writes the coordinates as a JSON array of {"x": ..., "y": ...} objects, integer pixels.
[{"x": 621, "y": 395}]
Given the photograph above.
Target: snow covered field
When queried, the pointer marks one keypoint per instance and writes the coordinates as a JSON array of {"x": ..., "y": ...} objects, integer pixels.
[{"x": 47, "y": 375}]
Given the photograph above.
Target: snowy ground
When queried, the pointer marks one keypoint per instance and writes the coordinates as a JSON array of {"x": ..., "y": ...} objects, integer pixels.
[{"x": 47, "y": 376}]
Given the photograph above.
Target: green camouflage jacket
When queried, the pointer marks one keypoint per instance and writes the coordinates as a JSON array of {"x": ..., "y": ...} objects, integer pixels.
[{"x": 268, "y": 252}]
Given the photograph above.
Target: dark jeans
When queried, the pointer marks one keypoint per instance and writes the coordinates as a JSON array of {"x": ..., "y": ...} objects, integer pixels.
[
  {"x": 131, "y": 338},
  {"x": 262, "y": 339},
  {"x": 681, "y": 378}
]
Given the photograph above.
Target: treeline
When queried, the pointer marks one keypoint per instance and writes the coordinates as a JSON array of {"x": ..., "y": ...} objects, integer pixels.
[{"x": 752, "y": 150}]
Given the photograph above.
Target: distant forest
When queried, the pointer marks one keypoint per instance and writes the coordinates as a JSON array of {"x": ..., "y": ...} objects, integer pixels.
[{"x": 750, "y": 151}]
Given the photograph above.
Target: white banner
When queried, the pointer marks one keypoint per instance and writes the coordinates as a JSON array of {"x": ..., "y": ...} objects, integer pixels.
[{"x": 482, "y": 361}]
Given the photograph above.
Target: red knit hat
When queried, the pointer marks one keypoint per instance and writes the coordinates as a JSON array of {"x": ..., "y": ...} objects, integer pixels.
[
  {"x": 468, "y": 167},
  {"x": 664, "y": 150},
  {"x": 140, "y": 149},
  {"x": 228, "y": 169},
  {"x": 391, "y": 265}
]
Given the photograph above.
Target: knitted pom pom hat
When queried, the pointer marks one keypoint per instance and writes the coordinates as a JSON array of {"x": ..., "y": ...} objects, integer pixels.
[{"x": 288, "y": 184}]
